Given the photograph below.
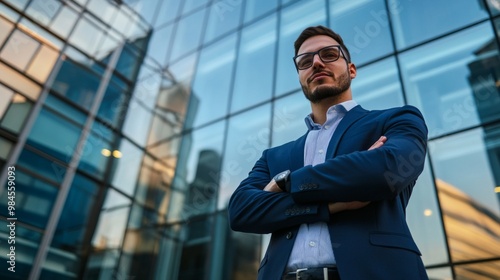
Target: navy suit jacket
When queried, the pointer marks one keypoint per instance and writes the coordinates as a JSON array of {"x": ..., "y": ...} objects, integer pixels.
[{"x": 372, "y": 242}]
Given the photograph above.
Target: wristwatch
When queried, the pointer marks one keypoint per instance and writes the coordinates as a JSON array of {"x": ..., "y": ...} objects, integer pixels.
[{"x": 282, "y": 179}]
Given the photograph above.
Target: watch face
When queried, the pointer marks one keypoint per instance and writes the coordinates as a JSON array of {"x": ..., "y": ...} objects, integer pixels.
[{"x": 281, "y": 176}]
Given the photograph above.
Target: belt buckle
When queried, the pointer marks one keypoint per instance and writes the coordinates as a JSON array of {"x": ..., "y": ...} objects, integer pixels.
[
  {"x": 325, "y": 273},
  {"x": 297, "y": 276}
]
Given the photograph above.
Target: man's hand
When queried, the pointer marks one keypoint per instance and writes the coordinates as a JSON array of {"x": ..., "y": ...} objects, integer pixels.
[
  {"x": 272, "y": 187},
  {"x": 335, "y": 207}
]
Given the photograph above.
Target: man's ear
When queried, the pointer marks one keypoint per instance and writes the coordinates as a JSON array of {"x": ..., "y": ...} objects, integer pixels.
[{"x": 352, "y": 70}]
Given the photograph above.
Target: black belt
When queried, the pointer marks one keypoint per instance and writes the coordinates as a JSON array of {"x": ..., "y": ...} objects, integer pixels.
[{"x": 314, "y": 273}]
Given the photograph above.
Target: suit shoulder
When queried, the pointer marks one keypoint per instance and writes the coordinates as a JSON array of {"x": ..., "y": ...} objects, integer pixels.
[{"x": 406, "y": 109}]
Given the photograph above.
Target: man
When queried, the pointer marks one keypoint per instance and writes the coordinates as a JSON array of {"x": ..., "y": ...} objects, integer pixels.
[{"x": 334, "y": 199}]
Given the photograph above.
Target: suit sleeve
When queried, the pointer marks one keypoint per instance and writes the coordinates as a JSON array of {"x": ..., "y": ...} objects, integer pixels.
[
  {"x": 373, "y": 175},
  {"x": 251, "y": 209}
]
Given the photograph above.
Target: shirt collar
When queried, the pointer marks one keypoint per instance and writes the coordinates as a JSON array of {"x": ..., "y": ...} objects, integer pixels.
[{"x": 341, "y": 108}]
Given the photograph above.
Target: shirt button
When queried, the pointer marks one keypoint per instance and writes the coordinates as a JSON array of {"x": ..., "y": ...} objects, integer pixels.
[
  {"x": 327, "y": 126},
  {"x": 312, "y": 243},
  {"x": 320, "y": 151}
]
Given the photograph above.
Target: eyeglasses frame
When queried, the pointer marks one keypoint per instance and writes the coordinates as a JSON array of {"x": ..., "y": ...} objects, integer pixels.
[{"x": 317, "y": 53}]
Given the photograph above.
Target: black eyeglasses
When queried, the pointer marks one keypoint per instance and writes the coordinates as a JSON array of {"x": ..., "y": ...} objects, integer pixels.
[{"x": 326, "y": 54}]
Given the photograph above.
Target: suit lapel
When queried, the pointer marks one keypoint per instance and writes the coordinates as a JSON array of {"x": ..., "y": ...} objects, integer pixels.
[{"x": 351, "y": 117}]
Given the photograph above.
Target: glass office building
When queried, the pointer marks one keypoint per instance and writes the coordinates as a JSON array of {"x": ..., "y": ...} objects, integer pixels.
[{"x": 129, "y": 123}]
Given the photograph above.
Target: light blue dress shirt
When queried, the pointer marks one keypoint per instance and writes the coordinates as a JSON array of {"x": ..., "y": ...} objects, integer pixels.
[{"x": 312, "y": 247}]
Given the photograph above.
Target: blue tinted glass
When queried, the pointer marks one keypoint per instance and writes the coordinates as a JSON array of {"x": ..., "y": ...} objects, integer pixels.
[
  {"x": 294, "y": 19},
  {"x": 26, "y": 249},
  {"x": 130, "y": 59},
  {"x": 364, "y": 27},
  {"x": 33, "y": 197},
  {"x": 223, "y": 17},
  {"x": 212, "y": 81},
  {"x": 168, "y": 10},
  {"x": 288, "y": 118},
  {"x": 466, "y": 171},
  {"x": 190, "y": 5},
  {"x": 417, "y": 21},
  {"x": 377, "y": 86},
  {"x": 95, "y": 154},
  {"x": 137, "y": 122},
  {"x": 494, "y": 7},
  {"x": 441, "y": 79},
  {"x": 54, "y": 135},
  {"x": 424, "y": 219},
  {"x": 160, "y": 43},
  {"x": 248, "y": 135},
  {"x": 17, "y": 113},
  {"x": 113, "y": 105},
  {"x": 126, "y": 165},
  {"x": 77, "y": 83},
  {"x": 41, "y": 165},
  {"x": 255, "y": 9},
  {"x": 198, "y": 169},
  {"x": 55, "y": 103},
  {"x": 191, "y": 25},
  {"x": 72, "y": 224},
  {"x": 255, "y": 65}
]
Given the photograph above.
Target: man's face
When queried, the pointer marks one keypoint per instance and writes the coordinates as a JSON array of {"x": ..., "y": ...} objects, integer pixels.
[{"x": 323, "y": 80}]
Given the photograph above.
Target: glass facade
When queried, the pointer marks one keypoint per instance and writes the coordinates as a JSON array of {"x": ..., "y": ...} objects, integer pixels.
[{"x": 129, "y": 124}]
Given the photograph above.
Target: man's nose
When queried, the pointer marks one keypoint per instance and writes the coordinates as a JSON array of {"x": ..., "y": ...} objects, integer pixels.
[{"x": 317, "y": 62}]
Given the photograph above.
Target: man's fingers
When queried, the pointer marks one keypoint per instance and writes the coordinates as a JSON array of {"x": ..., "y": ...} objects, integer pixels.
[{"x": 378, "y": 143}]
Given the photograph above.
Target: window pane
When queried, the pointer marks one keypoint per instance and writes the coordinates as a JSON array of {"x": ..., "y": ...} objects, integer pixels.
[
  {"x": 168, "y": 10},
  {"x": 17, "y": 113},
  {"x": 466, "y": 166},
  {"x": 364, "y": 27},
  {"x": 20, "y": 4},
  {"x": 248, "y": 135},
  {"x": 42, "y": 64},
  {"x": 19, "y": 82},
  {"x": 159, "y": 45},
  {"x": 64, "y": 21},
  {"x": 126, "y": 166},
  {"x": 113, "y": 105},
  {"x": 191, "y": 25},
  {"x": 44, "y": 167},
  {"x": 27, "y": 241},
  {"x": 212, "y": 81},
  {"x": 437, "y": 78},
  {"x": 482, "y": 270},
  {"x": 77, "y": 83},
  {"x": 5, "y": 147},
  {"x": 294, "y": 19},
  {"x": 87, "y": 35},
  {"x": 417, "y": 21},
  {"x": 146, "y": 9},
  {"x": 190, "y": 5},
  {"x": 288, "y": 118},
  {"x": 199, "y": 175},
  {"x": 6, "y": 95},
  {"x": 223, "y": 17},
  {"x": 19, "y": 49},
  {"x": 443, "y": 273},
  {"x": 255, "y": 65},
  {"x": 112, "y": 223},
  {"x": 61, "y": 140},
  {"x": 5, "y": 28},
  {"x": 153, "y": 186},
  {"x": 68, "y": 110},
  {"x": 43, "y": 11},
  {"x": 377, "y": 86},
  {"x": 68, "y": 244},
  {"x": 138, "y": 122},
  {"x": 34, "y": 199},
  {"x": 255, "y": 9},
  {"x": 424, "y": 219},
  {"x": 96, "y": 154}
]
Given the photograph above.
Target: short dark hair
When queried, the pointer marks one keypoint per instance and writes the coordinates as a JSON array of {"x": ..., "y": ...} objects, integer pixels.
[{"x": 320, "y": 30}]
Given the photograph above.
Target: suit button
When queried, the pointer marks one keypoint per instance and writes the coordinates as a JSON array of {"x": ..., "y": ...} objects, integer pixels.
[{"x": 289, "y": 235}]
